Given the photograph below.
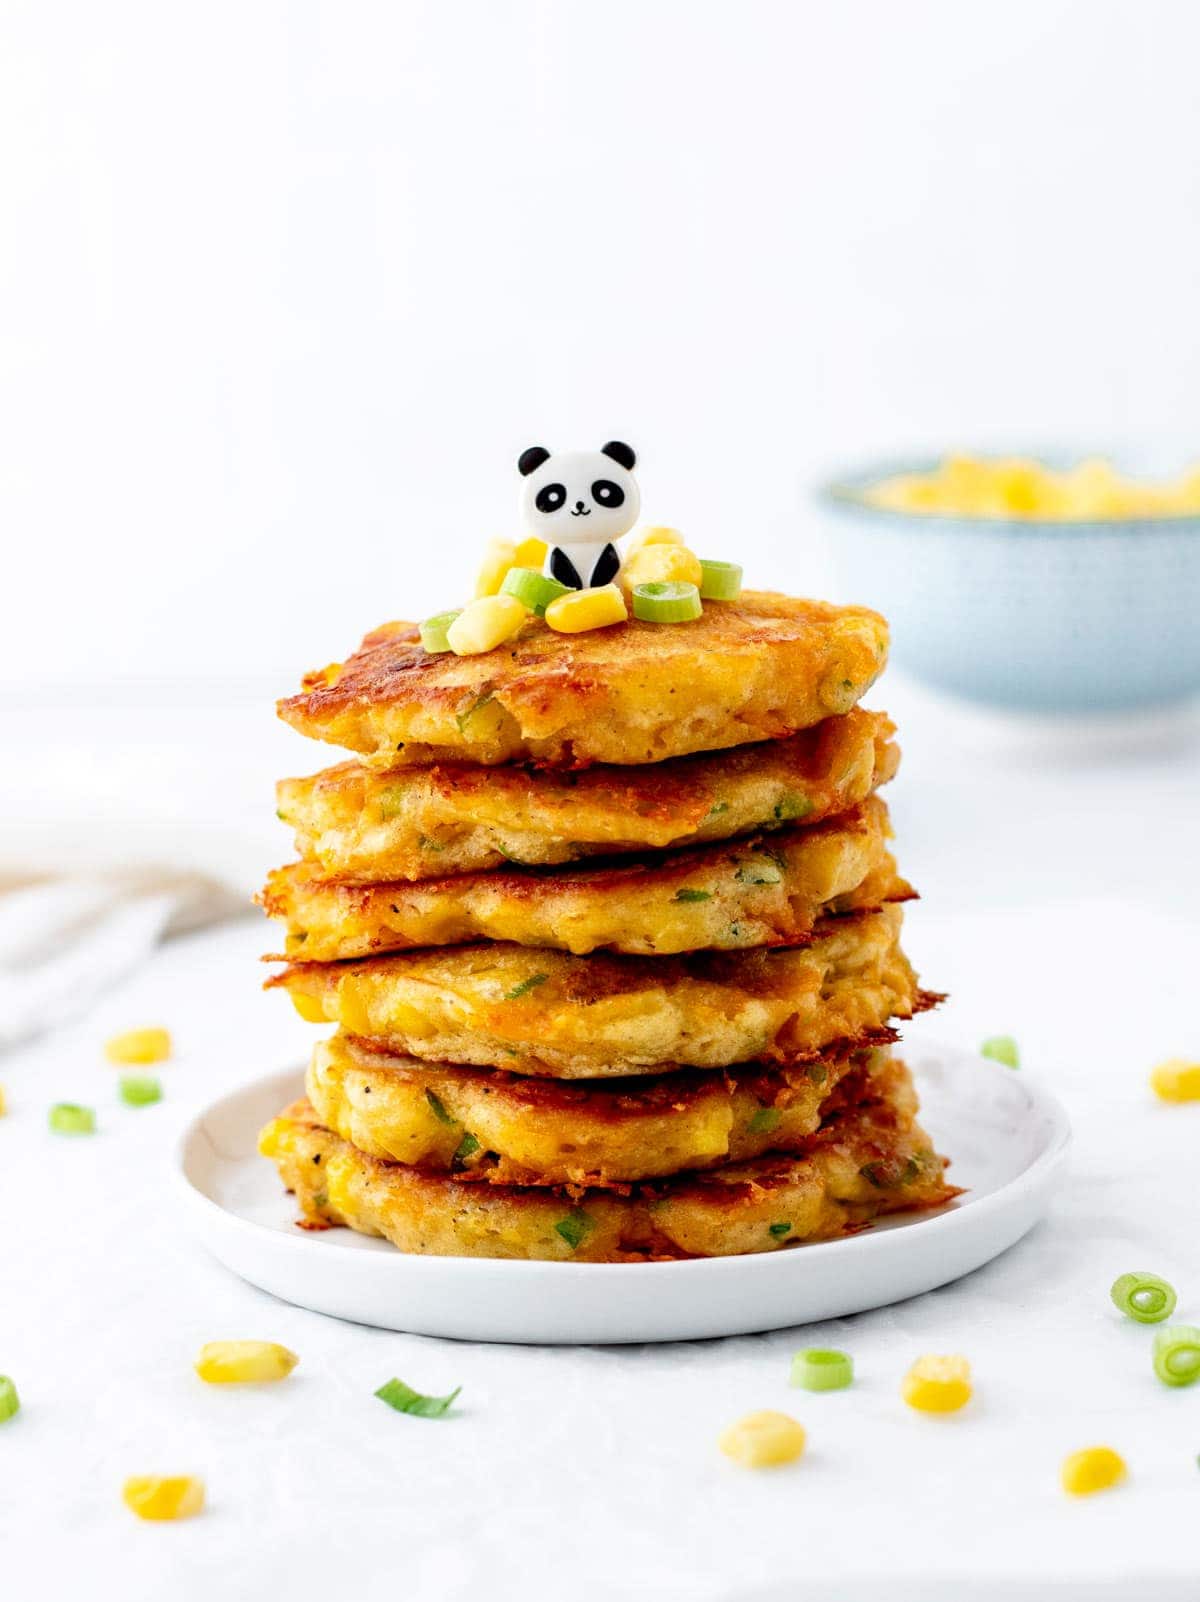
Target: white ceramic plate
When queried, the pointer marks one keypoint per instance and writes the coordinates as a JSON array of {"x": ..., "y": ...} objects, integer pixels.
[{"x": 1007, "y": 1135}]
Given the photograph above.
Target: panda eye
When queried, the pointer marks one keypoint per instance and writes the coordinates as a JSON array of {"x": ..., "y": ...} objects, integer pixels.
[
  {"x": 607, "y": 493},
  {"x": 550, "y": 497}
]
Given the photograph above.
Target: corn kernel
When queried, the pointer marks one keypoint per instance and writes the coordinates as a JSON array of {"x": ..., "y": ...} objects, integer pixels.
[
  {"x": 761, "y": 1440},
  {"x": 530, "y": 553},
  {"x": 139, "y": 1045},
  {"x": 3, "y": 1102},
  {"x": 653, "y": 535},
  {"x": 244, "y": 1362},
  {"x": 662, "y": 564},
  {"x": 587, "y": 609},
  {"x": 501, "y": 555},
  {"x": 937, "y": 1384},
  {"x": 485, "y": 623},
  {"x": 1096, "y": 1468},
  {"x": 177, "y": 1497},
  {"x": 1176, "y": 1080},
  {"x": 309, "y": 1007}
]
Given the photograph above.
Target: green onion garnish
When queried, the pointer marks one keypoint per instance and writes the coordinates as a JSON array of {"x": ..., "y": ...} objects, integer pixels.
[
  {"x": 1177, "y": 1354},
  {"x": 1143, "y": 1297},
  {"x": 1002, "y": 1048},
  {"x": 692, "y": 895},
  {"x": 404, "y": 1399},
  {"x": 140, "y": 1090},
  {"x": 463, "y": 718},
  {"x": 821, "y": 1369},
  {"x": 720, "y": 581},
  {"x": 531, "y": 588},
  {"x": 526, "y": 985},
  {"x": 433, "y": 632},
  {"x": 666, "y": 602},
  {"x": 68, "y": 1119},
  {"x": 10, "y": 1402},
  {"x": 779, "y": 1230},
  {"x": 575, "y": 1227},
  {"x": 467, "y": 1147},
  {"x": 764, "y": 1120},
  {"x": 793, "y": 807},
  {"x": 755, "y": 873},
  {"x": 439, "y": 1109}
]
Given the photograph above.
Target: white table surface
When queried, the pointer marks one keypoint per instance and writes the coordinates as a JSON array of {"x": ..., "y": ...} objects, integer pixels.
[{"x": 1060, "y": 874}]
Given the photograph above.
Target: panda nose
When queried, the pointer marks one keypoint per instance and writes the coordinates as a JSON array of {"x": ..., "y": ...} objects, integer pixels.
[{"x": 579, "y": 506}]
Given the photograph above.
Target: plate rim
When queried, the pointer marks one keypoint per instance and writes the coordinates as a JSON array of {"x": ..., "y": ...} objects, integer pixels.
[{"x": 1040, "y": 1101}]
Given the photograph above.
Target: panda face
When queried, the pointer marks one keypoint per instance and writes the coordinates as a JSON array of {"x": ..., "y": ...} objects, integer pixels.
[{"x": 579, "y": 497}]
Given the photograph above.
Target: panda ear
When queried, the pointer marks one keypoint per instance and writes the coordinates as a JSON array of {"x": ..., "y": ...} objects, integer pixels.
[
  {"x": 529, "y": 461},
  {"x": 620, "y": 453}
]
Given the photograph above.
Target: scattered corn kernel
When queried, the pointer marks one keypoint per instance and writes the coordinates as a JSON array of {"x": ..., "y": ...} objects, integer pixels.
[
  {"x": 653, "y": 535},
  {"x": 662, "y": 564},
  {"x": 1096, "y": 1468},
  {"x": 3, "y": 1102},
  {"x": 966, "y": 486},
  {"x": 1176, "y": 1080},
  {"x": 483, "y": 624},
  {"x": 309, "y": 1008},
  {"x": 587, "y": 609},
  {"x": 150, "y": 1497},
  {"x": 761, "y": 1440},
  {"x": 937, "y": 1384},
  {"x": 530, "y": 553},
  {"x": 139, "y": 1046},
  {"x": 244, "y": 1362},
  {"x": 501, "y": 555}
]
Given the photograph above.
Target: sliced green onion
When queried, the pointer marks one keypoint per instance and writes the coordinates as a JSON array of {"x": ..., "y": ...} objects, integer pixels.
[
  {"x": 821, "y": 1369},
  {"x": 692, "y": 895},
  {"x": 439, "y": 1109},
  {"x": 764, "y": 1120},
  {"x": 531, "y": 588},
  {"x": 575, "y": 1227},
  {"x": 1177, "y": 1354},
  {"x": 433, "y": 632},
  {"x": 720, "y": 581},
  {"x": 477, "y": 705},
  {"x": 779, "y": 1230},
  {"x": 140, "y": 1090},
  {"x": 793, "y": 807},
  {"x": 667, "y": 601},
  {"x": 10, "y": 1402},
  {"x": 68, "y": 1119},
  {"x": 1143, "y": 1297},
  {"x": 526, "y": 985},
  {"x": 467, "y": 1147},
  {"x": 1002, "y": 1048},
  {"x": 754, "y": 874},
  {"x": 404, "y": 1399}
]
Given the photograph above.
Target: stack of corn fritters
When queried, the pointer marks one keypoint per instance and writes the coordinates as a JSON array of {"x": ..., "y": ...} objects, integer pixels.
[{"x": 609, "y": 927}]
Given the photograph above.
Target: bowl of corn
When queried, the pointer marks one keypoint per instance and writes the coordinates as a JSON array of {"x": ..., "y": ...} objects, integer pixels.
[{"x": 1045, "y": 585}]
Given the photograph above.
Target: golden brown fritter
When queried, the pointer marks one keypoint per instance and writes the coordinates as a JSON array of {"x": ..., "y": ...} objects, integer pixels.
[
  {"x": 503, "y": 1128},
  {"x": 757, "y": 668},
  {"x": 864, "y": 1162},
  {"x": 768, "y": 890},
  {"x": 362, "y": 824},
  {"x": 548, "y": 1013}
]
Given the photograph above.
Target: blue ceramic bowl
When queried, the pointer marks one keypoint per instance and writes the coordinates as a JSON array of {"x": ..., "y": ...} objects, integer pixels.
[{"x": 1034, "y": 615}]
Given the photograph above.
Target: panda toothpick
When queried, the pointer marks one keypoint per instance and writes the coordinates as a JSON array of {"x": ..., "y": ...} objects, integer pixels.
[{"x": 579, "y": 502}]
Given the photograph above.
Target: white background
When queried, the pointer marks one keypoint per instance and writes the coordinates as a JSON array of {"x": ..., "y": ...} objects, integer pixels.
[{"x": 284, "y": 289}]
